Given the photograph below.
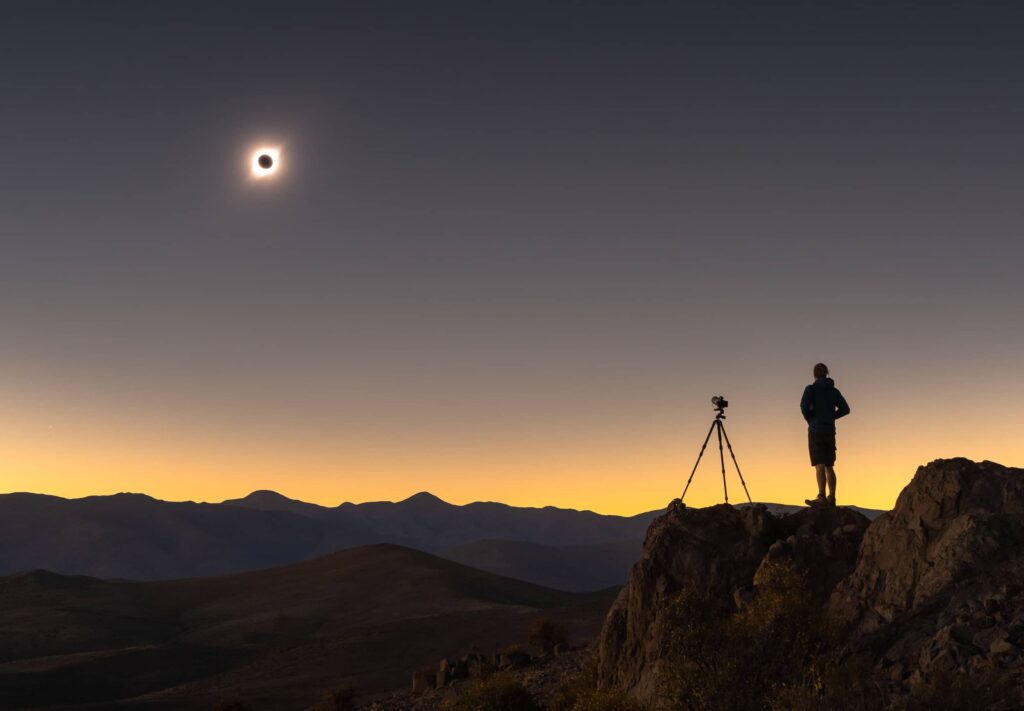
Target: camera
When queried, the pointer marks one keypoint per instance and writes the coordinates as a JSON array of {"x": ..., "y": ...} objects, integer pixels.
[{"x": 719, "y": 402}]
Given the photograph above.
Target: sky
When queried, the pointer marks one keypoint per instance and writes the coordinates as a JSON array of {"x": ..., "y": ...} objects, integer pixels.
[{"x": 512, "y": 250}]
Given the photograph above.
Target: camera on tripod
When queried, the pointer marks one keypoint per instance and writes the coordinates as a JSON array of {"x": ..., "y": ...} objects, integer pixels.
[{"x": 717, "y": 425}]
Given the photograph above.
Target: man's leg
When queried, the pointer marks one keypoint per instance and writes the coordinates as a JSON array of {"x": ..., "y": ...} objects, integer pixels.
[
  {"x": 831, "y": 475},
  {"x": 819, "y": 470}
]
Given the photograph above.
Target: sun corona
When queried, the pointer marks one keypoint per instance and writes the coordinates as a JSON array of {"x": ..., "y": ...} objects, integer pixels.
[{"x": 265, "y": 162}]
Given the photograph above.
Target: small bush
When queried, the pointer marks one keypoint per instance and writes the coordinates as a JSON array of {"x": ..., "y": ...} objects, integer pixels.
[
  {"x": 545, "y": 635},
  {"x": 722, "y": 659},
  {"x": 500, "y": 692},
  {"x": 604, "y": 700},
  {"x": 574, "y": 687},
  {"x": 850, "y": 685},
  {"x": 563, "y": 698},
  {"x": 481, "y": 669}
]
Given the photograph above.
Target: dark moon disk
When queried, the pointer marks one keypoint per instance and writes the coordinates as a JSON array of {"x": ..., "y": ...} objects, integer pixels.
[{"x": 265, "y": 161}]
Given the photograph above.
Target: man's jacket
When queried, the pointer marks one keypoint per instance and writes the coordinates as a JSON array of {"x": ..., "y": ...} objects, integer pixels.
[{"x": 823, "y": 404}]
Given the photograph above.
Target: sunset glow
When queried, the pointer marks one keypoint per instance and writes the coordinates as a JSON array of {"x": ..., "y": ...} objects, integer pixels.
[{"x": 597, "y": 462}]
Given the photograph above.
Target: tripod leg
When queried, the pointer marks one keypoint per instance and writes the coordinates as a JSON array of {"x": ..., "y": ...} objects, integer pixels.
[
  {"x": 702, "y": 448},
  {"x": 735, "y": 463},
  {"x": 721, "y": 456}
]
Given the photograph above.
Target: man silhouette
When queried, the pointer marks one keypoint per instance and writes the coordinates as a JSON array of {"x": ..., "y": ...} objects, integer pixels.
[{"x": 821, "y": 405}]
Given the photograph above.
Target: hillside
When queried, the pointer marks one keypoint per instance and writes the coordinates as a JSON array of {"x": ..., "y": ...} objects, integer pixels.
[
  {"x": 276, "y": 638},
  {"x": 577, "y": 568}
]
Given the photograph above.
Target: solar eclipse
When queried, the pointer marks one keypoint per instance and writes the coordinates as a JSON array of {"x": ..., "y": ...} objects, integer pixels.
[{"x": 265, "y": 162}]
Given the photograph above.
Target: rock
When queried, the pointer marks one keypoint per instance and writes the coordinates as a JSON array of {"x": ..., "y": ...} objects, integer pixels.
[
  {"x": 953, "y": 634},
  {"x": 954, "y": 521},
  {"x": 424, "y": 679},
  {"x": 951, "y": 549},
  {"x": 717, "y": 552},
  {"x": 944, "y": 661},
  {"x": 934, "y": 587},
  {"x": 1001, "y": 646},
  {"x": 741, "y": 597},
  {"x": 988, "y": 635},
  {"x": 513, "y": 659}
]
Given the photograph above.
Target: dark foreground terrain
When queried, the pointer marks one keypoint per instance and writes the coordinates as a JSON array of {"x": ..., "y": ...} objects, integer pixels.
[
  {"x": 815, "y": 608},
  {"x": 275, "y": 639}
]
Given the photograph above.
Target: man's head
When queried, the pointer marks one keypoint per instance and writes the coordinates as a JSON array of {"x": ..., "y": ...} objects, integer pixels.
[{"x": 820, "y": 371}]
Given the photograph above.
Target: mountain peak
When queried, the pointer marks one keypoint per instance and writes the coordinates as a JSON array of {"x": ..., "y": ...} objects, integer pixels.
[
  {"x": 267, "y": 500},
  {"x": 425, "y": 498},
  {"x": 264, "y": 495}
]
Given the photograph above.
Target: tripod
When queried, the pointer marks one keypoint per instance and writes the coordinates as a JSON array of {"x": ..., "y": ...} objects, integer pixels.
[{"x": 717, "y": 424}]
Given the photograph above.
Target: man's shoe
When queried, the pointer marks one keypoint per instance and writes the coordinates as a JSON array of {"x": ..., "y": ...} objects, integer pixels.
[
  {"x": 819, "y": 500},
  {"x": 831, "y": 499}
]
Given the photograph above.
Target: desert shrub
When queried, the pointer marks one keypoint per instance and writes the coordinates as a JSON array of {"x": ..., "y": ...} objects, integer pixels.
[
  {"x": 721, "y": 659},
  {"x": 952, "y": 691},
  {"x": 832, "y": 685},
  {"x": 563, "y": 698},
  {"x": 500, "y": 692},
  {"x": 603, "y": 700},
  {"x": 545, "y": 635},
  {"x": 574, "y": 686},
  {"x": 481, "y": 668},
  {"x": 342, "y": 698}
]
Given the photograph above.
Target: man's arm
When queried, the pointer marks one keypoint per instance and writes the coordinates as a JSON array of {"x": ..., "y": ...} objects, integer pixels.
[
  {"x": 842, "y": 408},
  {"x": 806, "y": 405}
]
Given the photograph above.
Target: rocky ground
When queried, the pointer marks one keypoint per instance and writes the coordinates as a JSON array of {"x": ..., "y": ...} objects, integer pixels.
[{"x": 542, "y": 676}]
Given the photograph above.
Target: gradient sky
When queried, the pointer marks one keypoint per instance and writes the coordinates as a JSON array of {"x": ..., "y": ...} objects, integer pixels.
[{"x": 514, "y": 249}]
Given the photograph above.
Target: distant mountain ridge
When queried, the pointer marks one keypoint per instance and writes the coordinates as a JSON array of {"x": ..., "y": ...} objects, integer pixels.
[{"x": 134, "y": 536}]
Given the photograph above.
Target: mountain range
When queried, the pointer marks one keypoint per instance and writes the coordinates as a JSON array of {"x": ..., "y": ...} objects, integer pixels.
[{"x": 137, "y": 537}]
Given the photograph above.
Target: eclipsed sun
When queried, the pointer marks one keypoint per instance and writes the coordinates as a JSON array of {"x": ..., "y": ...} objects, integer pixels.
[{"x": 265, "y": 162}]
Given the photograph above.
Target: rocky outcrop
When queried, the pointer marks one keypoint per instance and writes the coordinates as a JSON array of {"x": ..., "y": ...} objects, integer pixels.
[
  {"x": 717, "y": 552},
  {"x": 934, "y": 587},
  {"x": 938, "y": 585}
]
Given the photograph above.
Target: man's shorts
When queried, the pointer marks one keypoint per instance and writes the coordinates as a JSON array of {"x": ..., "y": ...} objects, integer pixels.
[{"x": 822, "y": 446}]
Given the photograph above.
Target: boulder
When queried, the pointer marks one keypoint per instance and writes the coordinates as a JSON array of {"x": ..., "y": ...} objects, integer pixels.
[
  {"x": 939, "y": 580},
  {"x": 513, "y": 659},
  {"x": 956, "y": 522}
]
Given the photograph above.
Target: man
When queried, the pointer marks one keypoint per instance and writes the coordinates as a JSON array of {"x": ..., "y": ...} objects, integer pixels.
[{"x": 821, "y": 405}]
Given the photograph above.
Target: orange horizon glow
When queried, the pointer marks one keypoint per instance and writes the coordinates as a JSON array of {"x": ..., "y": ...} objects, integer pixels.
[
  {"x": 611, "y": 467},
  {"x": 587, "y": 443}
]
